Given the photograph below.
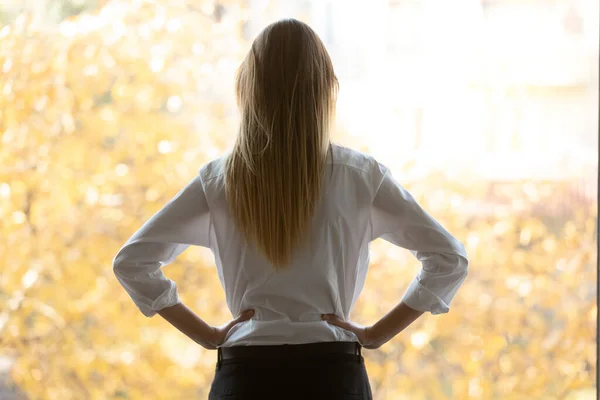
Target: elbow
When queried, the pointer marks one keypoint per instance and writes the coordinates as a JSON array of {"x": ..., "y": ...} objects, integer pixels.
[
  {"x": 460, "y": 259},
  {"x": 463, "y": 265},
  {"x": 463, "y": 261},
  {"x": 117, "y": 265},
  {"x": 125, "y": 260}
]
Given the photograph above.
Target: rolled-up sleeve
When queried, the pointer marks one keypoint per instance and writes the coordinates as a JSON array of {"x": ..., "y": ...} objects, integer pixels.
[
  {"x": 397, "y": 218},
  {"x": 182, "y": 222}
]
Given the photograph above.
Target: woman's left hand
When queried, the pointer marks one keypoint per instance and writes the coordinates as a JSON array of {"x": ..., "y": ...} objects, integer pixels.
[{"x": 220, "y": 332}]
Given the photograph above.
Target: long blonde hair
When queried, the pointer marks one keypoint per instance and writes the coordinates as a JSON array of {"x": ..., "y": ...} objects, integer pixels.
[{"x": 286, "y": 90}]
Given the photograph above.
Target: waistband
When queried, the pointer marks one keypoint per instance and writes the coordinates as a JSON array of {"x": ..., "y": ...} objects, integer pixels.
[{"x": 298, "y": 351}]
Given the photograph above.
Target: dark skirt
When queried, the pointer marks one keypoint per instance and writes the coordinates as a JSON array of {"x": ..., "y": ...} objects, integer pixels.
[{"x": 305, "y": 371}]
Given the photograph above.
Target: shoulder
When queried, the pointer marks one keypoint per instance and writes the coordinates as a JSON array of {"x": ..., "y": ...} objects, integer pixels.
[
  {"x": 213, "y": 169},
  {"x": 355, "y": 159},
  {"x": 341, "y": 156}
]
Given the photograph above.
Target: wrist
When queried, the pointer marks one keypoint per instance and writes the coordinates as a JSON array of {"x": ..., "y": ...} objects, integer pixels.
[
  {"x": 211, "y": 341},
  {"x": 372, "y": 338}
]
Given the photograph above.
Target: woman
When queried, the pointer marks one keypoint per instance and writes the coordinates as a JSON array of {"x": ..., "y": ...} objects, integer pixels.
[{"x": 289, "y": 217}]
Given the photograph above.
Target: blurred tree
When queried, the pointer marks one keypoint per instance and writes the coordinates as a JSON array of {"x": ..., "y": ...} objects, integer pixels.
[
  {"x": 49, "y": 11},
  {"x": 105, "y": 116},
  {"x": 99, "y": 118}
]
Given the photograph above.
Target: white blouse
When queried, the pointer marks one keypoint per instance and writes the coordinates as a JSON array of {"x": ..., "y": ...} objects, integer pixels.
[{"x": 360, "y": 202}]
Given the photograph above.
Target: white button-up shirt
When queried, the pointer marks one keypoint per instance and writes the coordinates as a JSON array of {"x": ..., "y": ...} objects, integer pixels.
[{"x": 360, "y": 202}]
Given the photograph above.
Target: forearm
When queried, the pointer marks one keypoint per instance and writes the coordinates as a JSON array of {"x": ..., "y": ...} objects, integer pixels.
[
  {"x": 186, "y": 321},
  {"x": 392, "y": 323}
]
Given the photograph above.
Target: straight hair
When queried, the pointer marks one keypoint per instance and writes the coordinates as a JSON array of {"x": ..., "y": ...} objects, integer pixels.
[{"x": 286, "y": 91}]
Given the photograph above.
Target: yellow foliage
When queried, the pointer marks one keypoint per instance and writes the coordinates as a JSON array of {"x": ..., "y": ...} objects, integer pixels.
[{"x": 105, "y": 116}]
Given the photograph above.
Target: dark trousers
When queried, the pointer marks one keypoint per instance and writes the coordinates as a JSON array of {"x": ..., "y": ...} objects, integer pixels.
[{"x": 306, "y": 371}]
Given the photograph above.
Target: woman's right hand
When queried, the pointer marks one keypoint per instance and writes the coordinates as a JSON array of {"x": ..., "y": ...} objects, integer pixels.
[{"x": 363, "y": 333}]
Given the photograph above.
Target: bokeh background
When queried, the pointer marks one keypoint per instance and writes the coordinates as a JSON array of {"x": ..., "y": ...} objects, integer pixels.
[{"x": 486, "y": 110}]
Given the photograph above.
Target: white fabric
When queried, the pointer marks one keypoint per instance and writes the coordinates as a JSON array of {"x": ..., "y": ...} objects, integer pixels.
[{"x": 361, "y": 201}]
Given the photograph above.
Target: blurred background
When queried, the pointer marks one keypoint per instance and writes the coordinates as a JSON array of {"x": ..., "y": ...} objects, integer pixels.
[{"x": 486, "y": 110}]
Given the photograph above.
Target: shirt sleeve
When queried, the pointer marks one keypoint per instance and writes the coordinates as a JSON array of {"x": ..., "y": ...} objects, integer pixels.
[
  {"x": 397, "y": 218},
  {"x": 183, "y": 221}
]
